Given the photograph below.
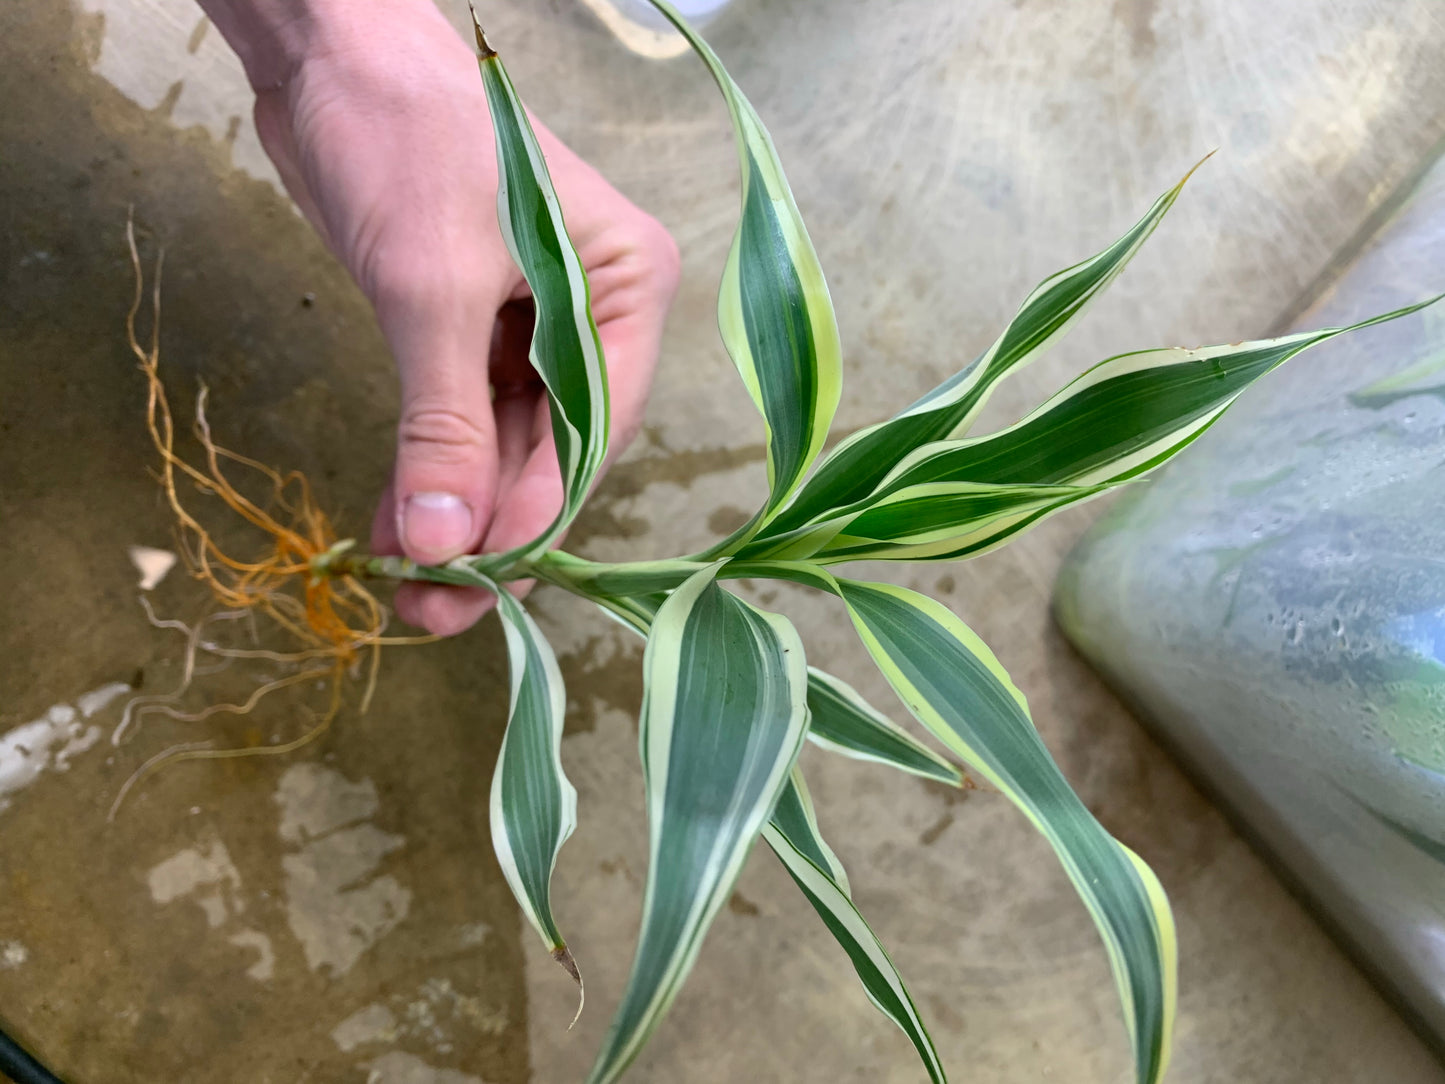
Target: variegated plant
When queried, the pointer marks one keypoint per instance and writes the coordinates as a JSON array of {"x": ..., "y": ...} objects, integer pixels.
[{"x": 729, "y": 696}]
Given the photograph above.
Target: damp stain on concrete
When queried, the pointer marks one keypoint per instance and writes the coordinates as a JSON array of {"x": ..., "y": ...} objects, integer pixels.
[
  {"x": 163, "y": 55},
  {"x": 206, "y": 874},
  {"x": 739, "y": 904},
  {"x": 399, "y": 1067},
  {"x": 337, "y": 904},
  {"x": 372, "y": 1024},
  {"x": 299, "y": 377},
  {"x": 192, "y": 926},
  {"x": 726, "y": 518}
]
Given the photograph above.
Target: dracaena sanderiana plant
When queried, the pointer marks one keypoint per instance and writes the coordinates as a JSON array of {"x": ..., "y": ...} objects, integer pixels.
[{"x": 729, "y": 696}]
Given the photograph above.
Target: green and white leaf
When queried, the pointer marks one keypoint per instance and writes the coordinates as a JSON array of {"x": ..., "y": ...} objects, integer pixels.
[
  {"x": 795, "y": 817},
  {"x": 840, "y": 720},
  {"x": 917, "y": 521},
  {"x": 1116, "y": 422},
  {"x": 633, "y": 613},
  {"x": 566, "y": 350},
  {"x": 1121, "y": 418},
  {"x": 632, "y": 578},
  {"x": 954, "y": 686},
  {"x": 796, "y": 841},
  {"x": 851, "y": 471},
  {"x": 774, "y": 311},
  {"x": 920, "y": 522},
  {"x": 533, "y": 805},
  {"x": 724, "y": 714},
  {"x": 843, "y": 722}
]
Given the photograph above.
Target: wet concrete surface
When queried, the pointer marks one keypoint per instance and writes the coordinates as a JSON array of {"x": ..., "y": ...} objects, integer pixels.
[
  {"x": 337, "y": 914},
  {"x": 237, "y": 913}
]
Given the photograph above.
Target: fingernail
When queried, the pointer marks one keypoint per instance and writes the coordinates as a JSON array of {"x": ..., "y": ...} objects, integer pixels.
[{"x": 436, "y": 525}]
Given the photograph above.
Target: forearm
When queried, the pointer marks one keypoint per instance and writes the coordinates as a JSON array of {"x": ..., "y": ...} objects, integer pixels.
[{"x": 275, "y": 38}]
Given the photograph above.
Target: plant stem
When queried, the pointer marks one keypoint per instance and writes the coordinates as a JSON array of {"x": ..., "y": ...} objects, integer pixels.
[
  {"x": 587, "y": 579},
  {"x": 461, "y": 572}
]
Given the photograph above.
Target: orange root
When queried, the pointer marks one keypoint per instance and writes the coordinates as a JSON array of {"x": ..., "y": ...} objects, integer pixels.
[{"x": 333, "y": 621}]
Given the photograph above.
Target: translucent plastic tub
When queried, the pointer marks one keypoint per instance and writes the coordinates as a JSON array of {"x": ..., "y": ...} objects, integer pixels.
[{"x": 1275, "y": 604}]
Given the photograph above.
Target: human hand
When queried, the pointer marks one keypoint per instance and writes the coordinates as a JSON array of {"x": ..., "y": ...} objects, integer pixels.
[{"x": 377, "y": 121}]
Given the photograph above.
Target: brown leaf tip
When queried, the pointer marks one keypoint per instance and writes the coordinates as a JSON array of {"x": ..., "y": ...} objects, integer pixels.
[
  {"x": 486, "y": 52},
  {"x": 569, "y": 965}
]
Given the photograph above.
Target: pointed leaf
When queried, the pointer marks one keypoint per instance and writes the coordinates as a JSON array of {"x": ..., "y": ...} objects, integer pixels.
[
  {"x": 954, "y": 686},
  {"x": 843, "y": 722},
  {"x": 796, "y": 841},
  {"x": 850, "y": 472},
  {"x": 566, "y": 351},
  {"x": 795, "y": 818},
  {"x": 915, "y": 522},
  {"x": 533, "y": 805},
  {"x": 774, "y": 310},
  {"x": 1115, "y": 423},
  {"x": 724, "y": 714},
  {"x": 1121, "y": 418},
  {"x": 925, "y": 522}
]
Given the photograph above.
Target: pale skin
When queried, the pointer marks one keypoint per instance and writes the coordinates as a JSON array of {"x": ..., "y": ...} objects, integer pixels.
[{"x": 376, "y": 119}]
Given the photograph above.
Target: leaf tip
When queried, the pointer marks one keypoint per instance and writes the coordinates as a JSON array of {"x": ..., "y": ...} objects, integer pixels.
[
  {"x": 1185, "y": 179},
  {"x": 484, "y": 50},
  {"x": 569, "y": 965}
]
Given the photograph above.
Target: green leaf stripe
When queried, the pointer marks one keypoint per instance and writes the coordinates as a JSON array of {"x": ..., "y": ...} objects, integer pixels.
[
  {"x": 636, "y": 613},
  {"x": 796, "y": 841},
  {"x": 1121, "y": 418},
  {"x": 843, "y": 722},
  {"x": 954, "y": 686},
  {"x": 921, "y": 522},
  {"x": 566, "y": 350},
  {"x": 533, "y": 805},
  {"x": 795, "y": 817},
  {"x": 774, "y": 311},
  {"x": 723, "y": 717},
  {"x": 840, "y": 719},
  {"x": 1118, "y": 421},
  {"x": 601, "y": 581},
  {"x": 852, "y": 470},
  {"x": 916, "y": 522}
]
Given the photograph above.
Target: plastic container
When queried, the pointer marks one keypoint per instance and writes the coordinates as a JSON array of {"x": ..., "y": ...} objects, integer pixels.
[{"x": 1275, "y": 605}]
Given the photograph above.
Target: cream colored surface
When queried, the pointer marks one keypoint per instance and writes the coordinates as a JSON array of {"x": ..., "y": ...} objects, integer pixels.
[
  {"x": 946, "y": 157},
  {"x": 166, "y": 56}
]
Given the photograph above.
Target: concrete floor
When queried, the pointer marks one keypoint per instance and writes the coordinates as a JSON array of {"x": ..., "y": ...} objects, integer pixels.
[{"x": 337, "y": 915}]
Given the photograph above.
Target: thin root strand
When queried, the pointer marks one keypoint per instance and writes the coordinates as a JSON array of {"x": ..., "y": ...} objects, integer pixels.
[{"x": 334, "y": 623}]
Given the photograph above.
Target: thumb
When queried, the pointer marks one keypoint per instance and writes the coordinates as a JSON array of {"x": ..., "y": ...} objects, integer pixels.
[{"x": 444, "y": 485}]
